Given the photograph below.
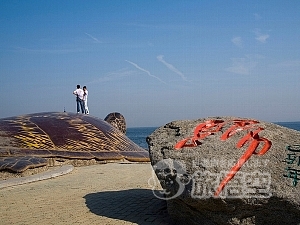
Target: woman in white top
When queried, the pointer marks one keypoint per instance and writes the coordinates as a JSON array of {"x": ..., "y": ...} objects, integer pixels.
[{"x": 85, "y": 97}]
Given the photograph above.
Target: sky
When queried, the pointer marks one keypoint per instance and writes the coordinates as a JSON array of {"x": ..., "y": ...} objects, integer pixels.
[{"x": 152, "y": 61}]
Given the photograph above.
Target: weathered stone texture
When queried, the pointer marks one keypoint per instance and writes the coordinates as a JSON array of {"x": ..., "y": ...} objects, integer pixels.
[{"x": 263, "y": 191}]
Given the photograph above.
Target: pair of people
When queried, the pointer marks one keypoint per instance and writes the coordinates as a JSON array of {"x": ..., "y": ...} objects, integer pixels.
[{"x": 81, "y": 99}]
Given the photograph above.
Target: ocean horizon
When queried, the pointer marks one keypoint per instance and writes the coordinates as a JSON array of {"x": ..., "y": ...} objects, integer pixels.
[{"x": 139, "y": 134}]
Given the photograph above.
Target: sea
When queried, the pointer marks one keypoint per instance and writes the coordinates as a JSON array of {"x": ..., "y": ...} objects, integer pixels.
[{"x": 139, "y": 134}]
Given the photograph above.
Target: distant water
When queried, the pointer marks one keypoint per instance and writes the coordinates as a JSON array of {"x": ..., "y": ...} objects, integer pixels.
[
  {"x": 291, "y": 125},
  {"x": 138, "y": 135}
]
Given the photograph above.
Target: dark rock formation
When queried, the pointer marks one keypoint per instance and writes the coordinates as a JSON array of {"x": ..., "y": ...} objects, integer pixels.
[
  {"x": 225, "y": 170},
  {"x": 117, "y": 120}
]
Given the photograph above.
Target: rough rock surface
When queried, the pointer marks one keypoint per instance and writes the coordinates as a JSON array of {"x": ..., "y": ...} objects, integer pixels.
[
  {"x": 264, "y": 189},
  {"x": 117, "y": 120}
]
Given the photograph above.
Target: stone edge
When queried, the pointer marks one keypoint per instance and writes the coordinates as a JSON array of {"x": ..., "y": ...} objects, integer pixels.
[{"x": 65, "y": 169}]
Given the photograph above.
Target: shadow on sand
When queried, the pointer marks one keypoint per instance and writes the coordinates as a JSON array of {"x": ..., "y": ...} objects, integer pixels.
[{"x": 134, "y": 205}]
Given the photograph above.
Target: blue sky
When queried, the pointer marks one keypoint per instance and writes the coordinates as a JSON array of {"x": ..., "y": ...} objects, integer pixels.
[{"x": 153, "y": 61}]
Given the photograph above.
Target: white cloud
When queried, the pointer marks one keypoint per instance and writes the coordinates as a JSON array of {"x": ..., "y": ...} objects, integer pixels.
[
  {"x": 146, "y": 71},
  {"x": 237, "y": 41},
  {"x": 95, "y": 39},
  {"x": 115, "y": 75},
  {"x": 261, "y": 37},
  {"x": 171, "y": 67},
  {"x": 241, "y": 66}
]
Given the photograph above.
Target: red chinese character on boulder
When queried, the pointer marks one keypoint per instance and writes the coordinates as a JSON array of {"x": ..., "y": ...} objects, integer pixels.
[
  {"x": 201, "y": 131},
  {"x": 213, "y": 126},
  {"x": 254, "y": 140}
]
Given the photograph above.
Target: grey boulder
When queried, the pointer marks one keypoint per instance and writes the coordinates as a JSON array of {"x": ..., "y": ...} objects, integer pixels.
[{"x": 228, "y": 170}]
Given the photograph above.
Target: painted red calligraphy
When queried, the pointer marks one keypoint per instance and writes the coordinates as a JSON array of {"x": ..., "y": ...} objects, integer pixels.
[
  {"x": 238, "y": 125},
  {"x": 254, "y": 140},
  {"x": 213, "y": 126},
  {"x": 201, "y": 131}
]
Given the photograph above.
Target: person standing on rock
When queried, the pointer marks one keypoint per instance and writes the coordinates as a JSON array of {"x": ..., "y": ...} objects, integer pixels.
[
  {"x": 79, "y": 99},
  {"x": 85, "y": 97}
]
